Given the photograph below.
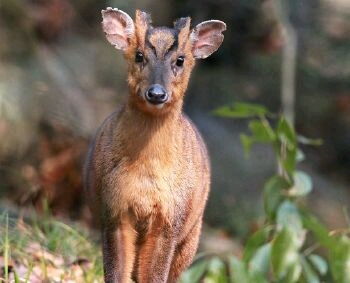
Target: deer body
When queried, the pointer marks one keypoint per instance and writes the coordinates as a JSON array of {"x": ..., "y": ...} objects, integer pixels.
[{"x": 147, "y": 173}]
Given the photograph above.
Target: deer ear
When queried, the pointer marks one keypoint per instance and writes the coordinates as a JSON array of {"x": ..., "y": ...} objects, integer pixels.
[
  {"x": 118, "y": 27},
  {"x": 206, "y": 38}
]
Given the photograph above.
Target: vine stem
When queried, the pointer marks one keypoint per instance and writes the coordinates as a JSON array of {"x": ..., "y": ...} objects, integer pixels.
[
  {"x": 288, "y": 71},
  {"x": 288, "y": 74},
  {"x": 288, "y": 65},
  {"x": 311, "y": 249}
]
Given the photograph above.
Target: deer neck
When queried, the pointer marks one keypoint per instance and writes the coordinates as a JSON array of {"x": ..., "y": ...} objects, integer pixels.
[{"x": 145, "y": 136}]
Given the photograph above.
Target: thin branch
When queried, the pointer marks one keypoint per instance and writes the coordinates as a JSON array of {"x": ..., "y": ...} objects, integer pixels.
[{"x": 289, "y": 56}]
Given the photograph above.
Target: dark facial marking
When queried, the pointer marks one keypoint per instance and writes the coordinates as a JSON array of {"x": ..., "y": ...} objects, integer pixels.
[{"x": 162, "y": 40}]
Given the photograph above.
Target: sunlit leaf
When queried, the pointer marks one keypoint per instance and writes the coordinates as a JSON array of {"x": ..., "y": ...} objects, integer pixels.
[
  {"x": 293, "y": 273},
  {"x": 260, "y": 261},
  {"x": 284, "y": 252},
  {"x": 308, "y": 273},
  {"x": 319, "y": 263},
  {"x": 288, "y": 216},
  {"x": 300, "y": 155},
  {"x": 302, "y": 184},
  {"x": 308, "y": 141}
]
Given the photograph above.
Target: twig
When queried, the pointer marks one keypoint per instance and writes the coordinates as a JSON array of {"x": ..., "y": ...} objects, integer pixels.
[{"x": 289, "y": 55}]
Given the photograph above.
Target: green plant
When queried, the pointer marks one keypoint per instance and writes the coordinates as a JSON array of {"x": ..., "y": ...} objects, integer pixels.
[{"x": 284, "y": 248}]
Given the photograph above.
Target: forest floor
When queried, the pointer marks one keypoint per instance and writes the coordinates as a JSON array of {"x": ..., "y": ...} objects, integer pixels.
[{"x": 44, "y": 249}]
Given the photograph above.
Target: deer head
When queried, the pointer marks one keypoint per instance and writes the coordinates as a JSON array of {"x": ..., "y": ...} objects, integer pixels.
[{"x": 160, "y": 59}]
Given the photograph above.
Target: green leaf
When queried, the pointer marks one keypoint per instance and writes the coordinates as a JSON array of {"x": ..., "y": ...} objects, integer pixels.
[
  {"x": 293, "y": 273},
  {"x": 194, "y": 273},
  {"x": 309, "y": 274},
  {"x": 241, "y": 110},
  {"x": 216, "y": 271},
  {"x": 300, "y": 155},
  {"x": 261, "y": 132},
  {"x": 260, "y": 262},
  {"x": 257, "y": 277},
  {"x": 319, "y": 230},
  {"x": 238, "y": 271},
  {"x": 302, "y": 184},
  {"x": 273, "y": 194},
  {"x": 286, "y": 132},
  {"x": 247, "y": 143},
  {"x": 289, "y": 160},
  {"x": 288, "y": 217},
  {"x": 340, "y": 260},
  {"x": 319, "y": 263},
  {"x": 287, "y": 146},
  {"x": 284, "y": 253},
  {"x": 308, "y": 141},
  {"x": 254, "y": 242}
]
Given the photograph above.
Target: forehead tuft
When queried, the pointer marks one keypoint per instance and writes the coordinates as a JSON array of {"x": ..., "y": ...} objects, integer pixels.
[{"x": 162, "y": 39}]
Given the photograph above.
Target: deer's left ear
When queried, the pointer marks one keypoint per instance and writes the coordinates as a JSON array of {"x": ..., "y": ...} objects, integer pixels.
[
  {"x": 206, "y": 38},
  {"x": 118, "y": 27}
]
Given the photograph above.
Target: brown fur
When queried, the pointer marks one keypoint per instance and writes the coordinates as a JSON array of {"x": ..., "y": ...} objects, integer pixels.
[{"x": 147, "y": 172}]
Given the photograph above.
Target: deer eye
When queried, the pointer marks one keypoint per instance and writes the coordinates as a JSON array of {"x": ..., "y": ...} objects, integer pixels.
[
  {"x": 138, "y": 57},
  {"x": 180, "y": 61}
]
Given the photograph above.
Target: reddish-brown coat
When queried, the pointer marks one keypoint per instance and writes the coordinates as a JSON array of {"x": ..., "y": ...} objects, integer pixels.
[{"x": 148, "y": 175}]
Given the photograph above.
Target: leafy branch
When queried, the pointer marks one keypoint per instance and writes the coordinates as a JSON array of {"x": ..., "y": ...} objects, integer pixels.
[{"x": 284, "y": 248}]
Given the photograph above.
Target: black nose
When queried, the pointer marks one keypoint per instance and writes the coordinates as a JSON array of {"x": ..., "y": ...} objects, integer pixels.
[{"x": 156, "y": 94}]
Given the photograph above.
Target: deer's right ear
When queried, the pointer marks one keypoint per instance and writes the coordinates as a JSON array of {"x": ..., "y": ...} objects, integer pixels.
[{"x": 118, "y": 27}]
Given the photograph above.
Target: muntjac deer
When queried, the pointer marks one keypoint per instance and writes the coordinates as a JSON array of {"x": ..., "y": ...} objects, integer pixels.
[{"x": 147, "y": 173}]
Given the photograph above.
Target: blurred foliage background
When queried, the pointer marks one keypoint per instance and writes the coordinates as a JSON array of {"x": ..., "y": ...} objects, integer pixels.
[{"x": 59, "y": 79}]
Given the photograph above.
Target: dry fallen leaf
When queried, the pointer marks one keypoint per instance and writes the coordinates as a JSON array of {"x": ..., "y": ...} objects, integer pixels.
[{"x": 40, "y": 254}]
